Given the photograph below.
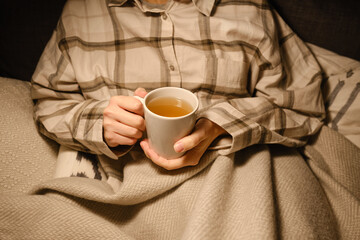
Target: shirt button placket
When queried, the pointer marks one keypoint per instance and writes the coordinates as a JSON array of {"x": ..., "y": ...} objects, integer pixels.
[{"x": 169, "y": 51}]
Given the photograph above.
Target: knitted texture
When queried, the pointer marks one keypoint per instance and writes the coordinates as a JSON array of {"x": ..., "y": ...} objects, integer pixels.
[
  {"x": 264, "y": 192},
  {"x": 261, "y": 192},
  {"x": 25, "y": 156}
]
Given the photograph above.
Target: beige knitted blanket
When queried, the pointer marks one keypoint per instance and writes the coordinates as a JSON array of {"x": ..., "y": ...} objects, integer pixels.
[{"x": 267, "y": 192}]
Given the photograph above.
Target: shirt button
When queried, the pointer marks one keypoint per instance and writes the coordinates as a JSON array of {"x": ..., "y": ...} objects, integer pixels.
[
  {"x": 164, "y": 16},
  {"x": 172, "y": 68}
]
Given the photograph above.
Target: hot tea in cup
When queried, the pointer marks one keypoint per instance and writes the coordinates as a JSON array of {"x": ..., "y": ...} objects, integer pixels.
[
  {"x": 169, "y": 106},
  {"x": 169, "y": 115}
]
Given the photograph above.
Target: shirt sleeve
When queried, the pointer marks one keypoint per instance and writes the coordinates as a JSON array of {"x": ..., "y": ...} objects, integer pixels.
[
  {"x": 285, "y": 103},
  {"x": 62, "y": 113}
]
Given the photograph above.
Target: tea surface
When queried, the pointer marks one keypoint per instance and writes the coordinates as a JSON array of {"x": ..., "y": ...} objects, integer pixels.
[{"x": 169, "y": 107}]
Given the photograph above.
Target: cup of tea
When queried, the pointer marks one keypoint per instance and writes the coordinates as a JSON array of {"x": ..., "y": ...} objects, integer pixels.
[{"x": 169, "y": 115}]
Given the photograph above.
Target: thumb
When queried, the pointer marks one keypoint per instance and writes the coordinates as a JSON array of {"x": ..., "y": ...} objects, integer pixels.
[{"x": 189, "y": 142}]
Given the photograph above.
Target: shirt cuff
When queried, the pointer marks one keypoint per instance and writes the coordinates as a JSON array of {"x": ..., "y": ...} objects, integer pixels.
[{"x": 242, "y": 131}]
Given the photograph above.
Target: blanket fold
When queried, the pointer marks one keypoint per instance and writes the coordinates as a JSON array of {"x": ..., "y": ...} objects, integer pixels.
[{"x": 267, "y": 192}]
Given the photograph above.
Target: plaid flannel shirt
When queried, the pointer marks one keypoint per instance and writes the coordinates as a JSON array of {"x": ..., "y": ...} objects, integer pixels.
[{"x": 253, "y": 76}]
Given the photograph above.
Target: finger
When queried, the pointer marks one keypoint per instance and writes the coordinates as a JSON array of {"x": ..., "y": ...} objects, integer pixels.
[
  {"x": 144, "y": 144},
  {"x": 190, "y": 141},
  {"x": 122, "y": 116},
  {"x": 128, "y": 103},
  {"x": 171, "y": 164},
  {"x": 110, "y": 125},
  {"x": 113, "y": 140},
  {"x": 204, "y": 131},
  {"x": 126, "y": 130},
  {"x": 141, "y": 92}
]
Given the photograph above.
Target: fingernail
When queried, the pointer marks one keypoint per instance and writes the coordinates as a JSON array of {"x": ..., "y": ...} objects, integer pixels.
[{"x": 179, "y": 147}]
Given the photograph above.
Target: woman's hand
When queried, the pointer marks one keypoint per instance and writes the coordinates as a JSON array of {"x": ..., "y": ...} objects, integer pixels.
[
  {"x": 123, "y": 122},
  {"x": 195, "y": 144}
]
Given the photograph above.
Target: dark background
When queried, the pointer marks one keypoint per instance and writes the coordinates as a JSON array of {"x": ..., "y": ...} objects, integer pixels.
[{"x": 26, "y": 26}]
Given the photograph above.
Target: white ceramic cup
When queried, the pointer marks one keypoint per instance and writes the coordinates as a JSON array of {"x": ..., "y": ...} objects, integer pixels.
[{"x": 163, "y": 132}]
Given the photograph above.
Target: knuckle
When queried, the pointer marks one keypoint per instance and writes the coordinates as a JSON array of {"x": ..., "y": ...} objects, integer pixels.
[
  {"x": 135, "y": 133},
  {"x": 139, "y": 122},
  {"x": 107, "y": 112},
  {"x": 106, "y": 124},
  {"x": 131, "y": 141},
  {"x": 114, "y": 100},
  {"x": 193, "y": 141},
  {"x": 107, "y": 135},
  {"x": 110, "y": 140},
  {"x": 139, "y": 134}
]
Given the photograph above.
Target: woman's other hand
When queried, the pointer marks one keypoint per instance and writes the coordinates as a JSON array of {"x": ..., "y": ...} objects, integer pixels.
[{"x": 194, "y": 145}]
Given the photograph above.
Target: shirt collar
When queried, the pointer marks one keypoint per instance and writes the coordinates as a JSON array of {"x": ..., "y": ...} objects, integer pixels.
[{"x": 204, "y": 6}]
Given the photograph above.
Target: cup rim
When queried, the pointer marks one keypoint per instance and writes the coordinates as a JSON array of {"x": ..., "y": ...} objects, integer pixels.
[{"x": 171, "y": 118}]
